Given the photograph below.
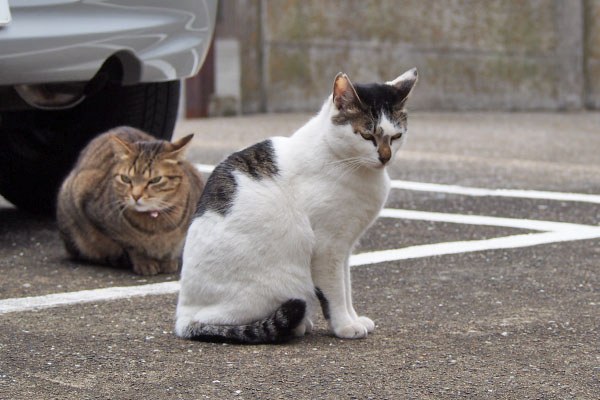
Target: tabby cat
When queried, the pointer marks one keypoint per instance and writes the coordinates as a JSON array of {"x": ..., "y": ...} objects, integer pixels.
[
  {"x": 129, "y": 201},
  {"x": 277, "y": 222}
]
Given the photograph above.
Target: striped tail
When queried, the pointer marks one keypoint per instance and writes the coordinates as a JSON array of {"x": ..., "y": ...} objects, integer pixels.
[{"x": 276, "y": 328}]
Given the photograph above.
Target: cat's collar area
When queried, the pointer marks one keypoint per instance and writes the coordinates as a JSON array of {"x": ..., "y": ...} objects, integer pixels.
[{"x": 156, "y": 213}]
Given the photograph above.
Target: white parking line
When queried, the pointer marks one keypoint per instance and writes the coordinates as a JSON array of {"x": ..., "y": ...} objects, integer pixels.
[
  {"x": 505, "y": 242},
  {"x": 551, "y": 232},
  {"x": 470, "y": 191},
  {"x": 205, "y": 168},
  {"x": 85, "y": 296},
  {"x": 530, "y": 224}
]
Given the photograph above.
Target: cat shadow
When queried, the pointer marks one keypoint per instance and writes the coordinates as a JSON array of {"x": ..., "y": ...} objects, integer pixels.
[
  {"x": 123, "y": 272},
  {"x": 18, "y": 227}
]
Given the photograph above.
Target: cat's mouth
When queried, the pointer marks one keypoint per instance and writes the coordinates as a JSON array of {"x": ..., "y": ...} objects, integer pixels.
[
  {"x": 141, "y": 207},
  {"x": 146, "y": 208},
  {"x": 377, "y": 165},
  {"x": 152, "y": 212}
]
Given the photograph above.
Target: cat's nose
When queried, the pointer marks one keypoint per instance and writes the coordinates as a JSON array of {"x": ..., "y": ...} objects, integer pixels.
[
  {"x": 384, "y": 159},
  {"x": 384, "y": 152},
  {"x": 136, "y": 196}
]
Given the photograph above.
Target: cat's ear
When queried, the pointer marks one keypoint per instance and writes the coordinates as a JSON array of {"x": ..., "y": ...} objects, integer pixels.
[
  {"x": 122, "y": 148},
  {"x": 344, "y": 94},
  {"x": 176, "y": 149},
  {"x": 405, "y": 83}
]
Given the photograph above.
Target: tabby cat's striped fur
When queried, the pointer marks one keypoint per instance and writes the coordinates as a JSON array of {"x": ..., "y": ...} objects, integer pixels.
[{"x": 129, "y": 201}]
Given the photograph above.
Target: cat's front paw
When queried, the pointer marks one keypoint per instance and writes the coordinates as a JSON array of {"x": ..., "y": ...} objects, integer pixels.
[
  {"x": 367, "y": 323},
  {"x": 169, "y": 266},
  {"x": 355, "y": 330},
  {"x": 147, "y": 268}
]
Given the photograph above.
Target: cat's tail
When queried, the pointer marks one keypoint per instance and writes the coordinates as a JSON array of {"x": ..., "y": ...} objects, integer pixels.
[{"x": 276, "y": 328}]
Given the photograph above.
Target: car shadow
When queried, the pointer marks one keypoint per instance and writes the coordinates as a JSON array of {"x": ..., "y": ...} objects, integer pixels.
[{"x": 14, "y": 220}]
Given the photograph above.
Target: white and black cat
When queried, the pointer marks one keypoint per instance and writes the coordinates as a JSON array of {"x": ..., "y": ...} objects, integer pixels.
[{"x": 277, "y": 221}]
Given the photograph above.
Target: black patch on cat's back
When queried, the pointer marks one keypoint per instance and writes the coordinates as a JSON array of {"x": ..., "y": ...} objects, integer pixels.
[
  {"x": 256, "y": 161},
  {"x": 218, "y": 192}
]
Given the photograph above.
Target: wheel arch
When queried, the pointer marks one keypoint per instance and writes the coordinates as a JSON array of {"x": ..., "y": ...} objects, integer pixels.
[{"x": 131, "y": 67}]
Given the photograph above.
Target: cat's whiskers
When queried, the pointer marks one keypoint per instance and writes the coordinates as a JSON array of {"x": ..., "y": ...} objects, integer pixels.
[
  {"x": 349, "y": 165},
  {"x": 353, "y": 168},
  {"x": 163, "y": 207},
  {"x": 351, "y": 160},
  {"x": 115, "y": 206},
  {"x": 346, "y": 167},
  {"x": 122, "y": 208},
  {"x": 343, "y": 161}
]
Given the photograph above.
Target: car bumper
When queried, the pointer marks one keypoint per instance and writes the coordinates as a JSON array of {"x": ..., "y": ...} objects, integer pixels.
[{"x": 69, "y": 40}]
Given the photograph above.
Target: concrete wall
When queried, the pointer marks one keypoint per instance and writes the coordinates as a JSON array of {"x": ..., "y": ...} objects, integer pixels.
[
  {"x": 592, "y": 54},
  {"x": 471, "y": 54}
]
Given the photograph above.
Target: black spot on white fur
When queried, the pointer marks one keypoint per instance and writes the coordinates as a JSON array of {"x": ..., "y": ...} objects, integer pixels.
[
  {"x": 380, "y": 98},
  {"x": 276, "y": 328},
  {"x": 324, "y": 302},
  {"x": 257, "y": 161},
  {"x": 218, "y": 192}
]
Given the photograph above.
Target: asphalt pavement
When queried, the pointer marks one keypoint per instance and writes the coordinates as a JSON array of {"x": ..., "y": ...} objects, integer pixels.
[{"x": 482, "y": 276}]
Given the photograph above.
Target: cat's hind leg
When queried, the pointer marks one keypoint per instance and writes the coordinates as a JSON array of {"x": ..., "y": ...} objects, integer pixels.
[
  {"x": 83, "y": 241},
  {"x": 81, "y": 237},
  {"x": 306, "y": 326},
  {"x": 99, "y": 249}
]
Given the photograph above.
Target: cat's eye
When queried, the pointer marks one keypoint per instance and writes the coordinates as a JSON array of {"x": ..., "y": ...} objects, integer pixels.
[
  {"x": 397, "y": 136},
  {"x": 369, "y": 136},
  {"x": 154, "y": 180},
  {"x": 126, "y": 179}
]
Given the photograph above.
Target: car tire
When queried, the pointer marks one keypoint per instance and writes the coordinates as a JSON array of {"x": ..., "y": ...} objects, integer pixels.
[{"x": 38, "y": 148}]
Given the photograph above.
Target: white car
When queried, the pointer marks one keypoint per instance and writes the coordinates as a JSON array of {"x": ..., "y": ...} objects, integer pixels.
[{"x": 72, "y": 69}]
